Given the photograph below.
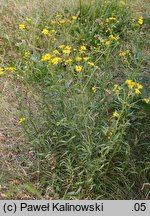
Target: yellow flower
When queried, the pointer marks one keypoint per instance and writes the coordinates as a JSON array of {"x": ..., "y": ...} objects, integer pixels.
[
  {"x": 146, "y": 100},
  {"x": 108, "y": 43},
  {"x": 10, "y": 69},
  {"x": 1, "y": 69},
  {"x": 91, "y": 63},
  {"x": 115, "y": 114},
  {"x": 62, "y": 21},
  {"x": 129, "y": 82},
  {"x": 58, "y": 15},
  {"x": 67, "y": 51},
  {"x": 46, "y": 57},
  {"x": 78, "y": 59},
  {"x": 53, "y": 22},
  {"x": 68, "y": 47},
  {"x": 140, "y": 21},
  {"x": 94, "y": 89},
  {"x": 28, "y": 19},
  {"x": 2, "y": 72},
  {"x": 56, "y": 52},
  {"x": 112, "y": 37},
  {"x": 68, "y": 21},
  {"x": 61, "y": 46},
  {"x": 26, "y": 54},
  {"x": 123, "y": 54},
  {"x": 110, "y": 135},
  {"x": 139, "y": 86},
  {"x": 82, "y": 49},
  {"x": 53, "y": 31},
  {"x": 55, "y": 60},
  {"x": 74, "y": 17},
  {"x": 21, "y": 120},
  {"x": 22, "y": 26},
  {"x": 78, "y": 68},
  {"x": 116, "y": 88},
  {"x": 133, "y": 85},
  {"x": 85, "y": 58},
  {"x": 68, "y": 61},
  {"x": 137, "y": 91},
  {"x": 45, "y": 31},
  {"x": 112, "y": 18}
]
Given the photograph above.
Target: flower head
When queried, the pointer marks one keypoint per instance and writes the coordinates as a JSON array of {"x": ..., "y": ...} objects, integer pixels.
[
  {"x": 56, "y": 52},
  {"x": 55, "y": 60},
  {"x": 74, "y": 17},
  {"x": 78, "y": 59},
  {"x": 115, "y": 114},
  {"x": 146, "y": 100},
  {"x": 82, "y": 49},
  {"x": 137, "y": 91},
  {"x": 140, "y": 21},
  {"x": 26, "y": 54},
  {"x": 94, "y": 89},
  {"x": 46, "y": 57},
  {"x": 90, "y": 63},
  {"x": 67, "y": 61},
  {"x": 21, "y": 120},
  {"x": 61, "y": 46},
  {"x": 45, "y": 31},
  {"x": 108, "y": 43},
  {"x": 78, "y": 68},
  {"x": 22, "y": 26},
  {"x": 85, "y": 58}
]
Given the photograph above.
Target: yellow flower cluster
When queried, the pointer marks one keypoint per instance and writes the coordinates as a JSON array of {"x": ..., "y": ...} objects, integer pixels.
[
  {"x": 46, "y": 57},
  {"x": 22, "y": 26},
  {"x": 28, "y": 19},
  {"x": 140, "y": 20},
  {"x": 45, "y": 31},
  {"x": 116, "y": 114},
  {"x": 78, "y": 59},
  {"x": 125, "y": 53},
  {"x": 111, "y": 19},
  {"x": 91, "y": 63},
  {"x": 55, "y": 60},
  {"x": 134, "y": 86},
  {"x": 50, "y": 59},
  {"x": 112, "y": 37},
  {"x": 82, "y": 49},
  {"x": 74, "y": 17},
  {"x": 26, "y": 55},
  {"x": 67, "y": 54},
  {"x": 94, "y": 89},
  {"x": 59, "y": 20},
  {"x": 21, "y": 120},
  {"x": 116, "y": 88},
  {"x": 78, "y": 68},
  {"x": 146, "y": 100},
  {"x": 67, "y": 50},
  {"x": 50, "y": 33},
  {"x": 10, "y": 69},
  {"x": 68, "y": 61}
]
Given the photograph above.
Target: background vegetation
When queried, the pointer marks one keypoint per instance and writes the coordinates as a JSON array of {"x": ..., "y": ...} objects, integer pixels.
[{"x": 75, "y": 100}]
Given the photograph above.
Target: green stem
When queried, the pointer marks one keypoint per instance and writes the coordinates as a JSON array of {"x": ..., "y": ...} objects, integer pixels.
[{"x": 80, "y": 2}]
